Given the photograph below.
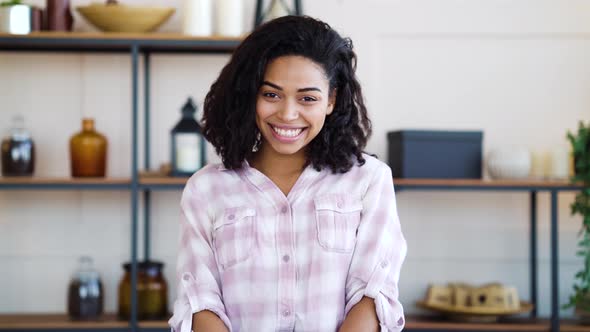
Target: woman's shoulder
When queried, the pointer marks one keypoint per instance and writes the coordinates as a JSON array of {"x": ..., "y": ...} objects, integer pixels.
[
  {"x": 211, "y": 176},
  {"x": 372, "y": 165}
]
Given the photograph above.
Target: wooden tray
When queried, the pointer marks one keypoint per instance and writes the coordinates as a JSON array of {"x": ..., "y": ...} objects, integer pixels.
[{"x": 475, "y": 314}]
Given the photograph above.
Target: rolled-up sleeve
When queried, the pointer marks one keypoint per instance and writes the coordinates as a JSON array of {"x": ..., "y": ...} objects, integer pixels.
[
  {"x": 197, "y": 273},
  {"x": 379, "y": 253}
]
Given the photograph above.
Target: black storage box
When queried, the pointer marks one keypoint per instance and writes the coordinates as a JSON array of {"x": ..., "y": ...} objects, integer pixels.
[{"x": 435, "y": 154}]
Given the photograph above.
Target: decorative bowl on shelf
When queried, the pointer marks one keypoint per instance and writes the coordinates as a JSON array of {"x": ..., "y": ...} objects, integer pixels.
[
  {"x": 509, "y": 163},
  {"x": 475, "y": 314},
  {"x": 123, "y": 18},
  {"x": 476, "y": 304}
]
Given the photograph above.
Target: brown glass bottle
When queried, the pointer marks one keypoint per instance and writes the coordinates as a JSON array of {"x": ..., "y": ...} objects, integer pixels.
[
  {"x": 88, "y": 152},
  {"x": 152, "y": 291}
]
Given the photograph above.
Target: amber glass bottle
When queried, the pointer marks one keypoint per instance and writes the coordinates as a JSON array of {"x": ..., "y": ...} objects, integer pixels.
[
  {"x": 88, "y": 152},
  {"x": 152, "y": 291}
]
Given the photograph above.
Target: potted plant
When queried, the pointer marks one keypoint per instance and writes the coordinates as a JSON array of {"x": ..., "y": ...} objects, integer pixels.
[
  {"x": 580, "y": 142},
  {"x": 10, "y": 3},
  {"x": 15, "y": 17}
]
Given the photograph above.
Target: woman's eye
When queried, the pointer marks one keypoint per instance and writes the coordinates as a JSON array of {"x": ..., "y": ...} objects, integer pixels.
[
  {"x": 270, "y": 95},
  {"x": 308, "y": 99}
]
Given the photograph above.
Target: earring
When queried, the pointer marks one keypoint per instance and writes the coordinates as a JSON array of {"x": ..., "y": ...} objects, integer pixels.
[{"x": 257, "y": 142}]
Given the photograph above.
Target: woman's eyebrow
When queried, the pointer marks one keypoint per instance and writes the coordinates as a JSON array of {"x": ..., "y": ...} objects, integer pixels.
[{"x": 272, "y": 85}]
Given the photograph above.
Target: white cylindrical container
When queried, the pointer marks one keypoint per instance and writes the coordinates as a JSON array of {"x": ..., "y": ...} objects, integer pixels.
[
  {"x": 559, "y": 166},
  {"x": 540, "y": 164},
  {"x": 15, "y": 19},
  {"x": 229, "y": 17},
  {"x": 197, "y": 18}
]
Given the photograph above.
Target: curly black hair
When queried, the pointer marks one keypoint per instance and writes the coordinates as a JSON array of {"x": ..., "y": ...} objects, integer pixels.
[{"x": 229, "y": 117}]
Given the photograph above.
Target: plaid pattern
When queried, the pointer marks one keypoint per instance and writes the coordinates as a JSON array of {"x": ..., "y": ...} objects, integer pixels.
[{"x": 265, "y": 262}]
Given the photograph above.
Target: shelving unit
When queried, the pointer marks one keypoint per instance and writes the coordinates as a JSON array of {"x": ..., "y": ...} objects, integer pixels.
[
  {"x": 526, "y": 186},
  {"x": 136, "y": 45},
  {"x": 146, "y": 44}
]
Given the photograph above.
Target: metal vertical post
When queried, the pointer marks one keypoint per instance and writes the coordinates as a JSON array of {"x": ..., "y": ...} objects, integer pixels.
[
  {"x": 146, "y": 163},
  {"x": 533, "y": 253},
  {"x": 298, "y": 9},
  {"x": 134, "y": 185},
  {"x": 554, "y": 264},
  {"x": 258, "y": 15}
]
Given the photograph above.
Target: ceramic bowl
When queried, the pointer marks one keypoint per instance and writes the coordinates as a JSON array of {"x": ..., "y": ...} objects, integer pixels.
[
  {"x": 509, "y": 163},
  {"x": 123, "y": 18}
]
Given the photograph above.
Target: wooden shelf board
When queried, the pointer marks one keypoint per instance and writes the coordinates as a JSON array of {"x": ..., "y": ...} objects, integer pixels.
[
  {"x": 62, "y": 321},
  {"x": 484, "y": 183},
  {"x": 116, "y": 42},
  {"x": 110, "y": 321},
  {"x": 155, "y": 324},
  {"x": 62, "y": 180},
  {"x": 156, "y": 178},
  {"x": 57, "y": 321},
  {"x": 115, "y": 36}
]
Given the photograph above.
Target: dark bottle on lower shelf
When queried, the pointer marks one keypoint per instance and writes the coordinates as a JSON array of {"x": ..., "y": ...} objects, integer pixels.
[
  {"x": 85, "y": 293},
  {"x": 18, "y": 151}
]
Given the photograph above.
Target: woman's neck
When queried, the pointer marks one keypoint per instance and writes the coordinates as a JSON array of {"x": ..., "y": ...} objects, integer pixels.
[{"x": 273, "y": 164}]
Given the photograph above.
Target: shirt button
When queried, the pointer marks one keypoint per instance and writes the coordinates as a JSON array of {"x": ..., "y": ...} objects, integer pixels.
[
  {"x": 186, "y": 277},
  {"x": 286, "y": 313},
  {"x": 284, "y": 209},
  {"x": 384, "y": 264},
  {"x": 339, "y": 204},
  {"x": 231, "y": 217},
  {"x": 286, "y": 258}
]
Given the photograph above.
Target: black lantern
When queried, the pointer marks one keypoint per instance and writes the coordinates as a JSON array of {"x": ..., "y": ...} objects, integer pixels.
[
  {"x": 188, "y": 143},
  {"x": 276, "y": 9}
]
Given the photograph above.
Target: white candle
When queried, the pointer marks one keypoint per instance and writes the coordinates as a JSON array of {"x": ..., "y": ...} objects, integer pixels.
[
  {"x": 559, "y": 164},
  {"x": 197, "y": 18},
  {"x": 229, "y": 17},
  {"x": 539, "y": 167},
  {"x": 188, "y": 152}
]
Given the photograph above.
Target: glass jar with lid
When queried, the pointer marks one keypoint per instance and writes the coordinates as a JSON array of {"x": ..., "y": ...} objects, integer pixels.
[
  {"x": 85, "y": 292},
  {"x": 18, "y": 150},
  {"x": 152, "y": 291}
]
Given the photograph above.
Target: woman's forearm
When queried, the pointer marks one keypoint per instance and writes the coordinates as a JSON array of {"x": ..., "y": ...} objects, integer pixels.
[
  {"x": 208, "y": 321},
  {"x": 362, "y": 317}
]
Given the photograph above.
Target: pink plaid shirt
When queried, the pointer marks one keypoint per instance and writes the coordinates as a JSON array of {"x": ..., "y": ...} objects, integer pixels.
[{"x": 265, "y": 262}]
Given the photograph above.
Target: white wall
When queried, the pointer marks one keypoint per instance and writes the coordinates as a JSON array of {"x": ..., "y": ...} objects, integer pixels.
[{"x": 518, "y": 70}]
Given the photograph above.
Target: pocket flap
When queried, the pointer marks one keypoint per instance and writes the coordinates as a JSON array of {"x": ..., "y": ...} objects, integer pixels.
[
  {"x": 233, "y": 215},
  {"x": 338, "y": 203}
]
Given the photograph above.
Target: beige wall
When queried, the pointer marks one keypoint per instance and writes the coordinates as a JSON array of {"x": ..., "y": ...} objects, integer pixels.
[{"x": 518, "y": 70}]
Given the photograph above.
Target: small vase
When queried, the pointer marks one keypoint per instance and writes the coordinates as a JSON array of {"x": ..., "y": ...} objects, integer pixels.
[
  {"x": 88, "y": 152},
  {"x": 58, "y": 15}
]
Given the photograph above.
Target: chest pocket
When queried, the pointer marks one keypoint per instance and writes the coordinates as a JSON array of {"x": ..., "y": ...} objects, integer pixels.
[
  {"x": 337, "y": 219},
  {"x": 234, "y": 236}
]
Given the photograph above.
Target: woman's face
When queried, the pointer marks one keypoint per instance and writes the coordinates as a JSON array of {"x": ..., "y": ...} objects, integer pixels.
[{"x": 292, "y": 104}]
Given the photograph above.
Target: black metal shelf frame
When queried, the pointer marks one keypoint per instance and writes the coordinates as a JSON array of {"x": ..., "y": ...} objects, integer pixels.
[
  {"x": 135, "y": 48},
  {"x": 554, "y": 245}
]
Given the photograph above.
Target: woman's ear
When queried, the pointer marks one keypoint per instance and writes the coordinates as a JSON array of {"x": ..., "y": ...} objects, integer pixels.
[{"x": 331, "y": 102}]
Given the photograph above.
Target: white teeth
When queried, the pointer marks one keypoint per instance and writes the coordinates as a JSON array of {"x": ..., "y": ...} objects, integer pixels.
[{"x": 287, "y": 132}]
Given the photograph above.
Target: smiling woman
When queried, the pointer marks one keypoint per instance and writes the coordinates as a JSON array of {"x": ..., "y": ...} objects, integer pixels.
[
  {"x": 297, "y": 230},
  {"x": 291, "y": 107}
]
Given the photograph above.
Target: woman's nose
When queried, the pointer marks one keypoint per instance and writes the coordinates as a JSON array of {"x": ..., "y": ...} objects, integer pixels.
[{"x": 289, "y": 111}]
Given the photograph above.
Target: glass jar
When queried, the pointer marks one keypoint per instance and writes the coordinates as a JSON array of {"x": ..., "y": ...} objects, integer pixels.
[
  {"x": 18, "y": 150},
  {"x": 88, "y": 152},
  {"x": 85, "y": 292},
  {"x": 152, "y": 292}
]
